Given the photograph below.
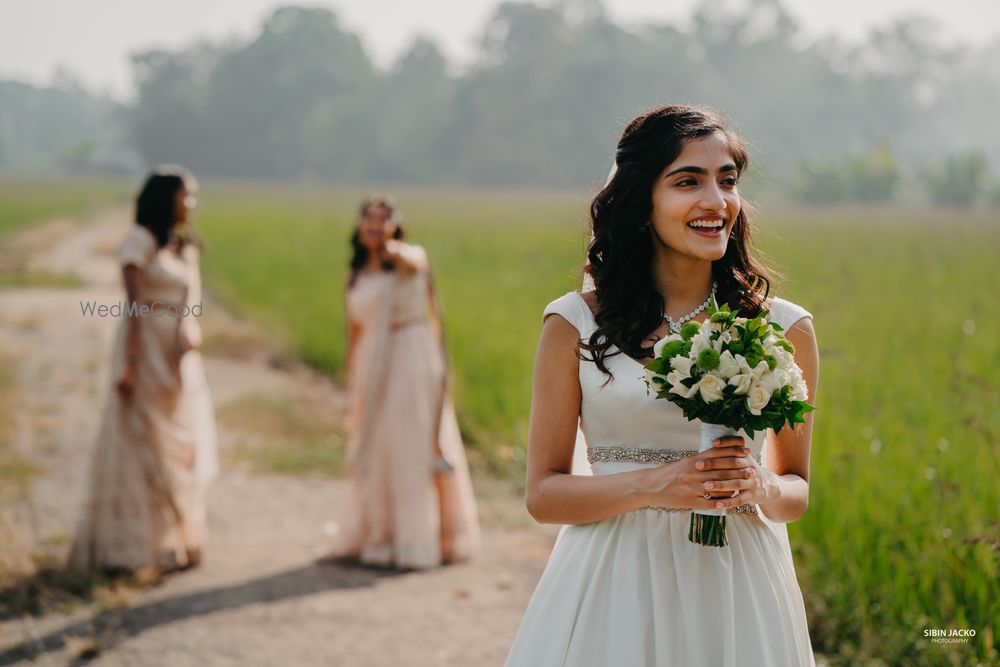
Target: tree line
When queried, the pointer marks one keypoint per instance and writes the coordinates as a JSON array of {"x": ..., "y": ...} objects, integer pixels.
[{"x": 547, "y": 93}]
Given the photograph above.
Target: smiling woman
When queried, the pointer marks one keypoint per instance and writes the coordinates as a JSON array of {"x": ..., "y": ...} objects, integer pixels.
[{"x": 624, "y": 583}]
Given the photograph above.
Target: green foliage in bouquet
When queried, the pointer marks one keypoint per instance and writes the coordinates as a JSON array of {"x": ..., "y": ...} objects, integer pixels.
[{"x": 747, "y": 339}]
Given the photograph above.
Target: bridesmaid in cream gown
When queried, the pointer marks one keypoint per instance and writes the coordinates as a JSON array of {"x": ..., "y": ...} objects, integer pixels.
[
  {"x": 156, "y": 446},
  {"x": 411, "y": 503}
]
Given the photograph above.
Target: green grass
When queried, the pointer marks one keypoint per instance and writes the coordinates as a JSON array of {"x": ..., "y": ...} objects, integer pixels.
[
  {"x": 902, "y": 531},
  {"x": 24, "y": 202}
]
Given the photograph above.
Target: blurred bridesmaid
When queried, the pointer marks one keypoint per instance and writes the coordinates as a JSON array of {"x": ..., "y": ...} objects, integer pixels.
[
  {"x": 156, "y": 446},
  {"x": 411, "y": 504}
]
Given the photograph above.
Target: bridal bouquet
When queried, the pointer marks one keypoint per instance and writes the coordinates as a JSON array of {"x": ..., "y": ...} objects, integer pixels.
[{"x": 732, "y": 374}]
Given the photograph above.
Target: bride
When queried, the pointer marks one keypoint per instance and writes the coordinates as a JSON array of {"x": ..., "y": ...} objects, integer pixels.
[{"x": 624, "y": 585}]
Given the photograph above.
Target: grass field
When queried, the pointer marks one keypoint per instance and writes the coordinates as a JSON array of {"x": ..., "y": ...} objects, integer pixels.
[
  {"x": 23, "y": 202},
  {"x": 902, "y": 532}
]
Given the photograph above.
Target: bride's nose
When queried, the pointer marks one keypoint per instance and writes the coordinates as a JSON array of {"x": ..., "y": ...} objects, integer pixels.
[{"x": 713, "y": 200}]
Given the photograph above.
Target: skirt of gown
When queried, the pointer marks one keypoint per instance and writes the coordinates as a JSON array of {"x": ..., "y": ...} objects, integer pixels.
[
  {"x": 144, "y": 503},
  {"x": 633, "y": 590},
  {"x": 395, "y": 514}
]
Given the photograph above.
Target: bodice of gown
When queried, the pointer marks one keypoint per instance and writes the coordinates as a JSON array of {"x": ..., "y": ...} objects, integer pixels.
[
  {"x": 164, "y": 276},
  {"x": 625, "y": 412},
  {"x": 409, "y": 298}
]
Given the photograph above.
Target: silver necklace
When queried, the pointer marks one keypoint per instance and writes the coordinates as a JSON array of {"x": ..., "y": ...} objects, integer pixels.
[{"x": 675, "y": 325}]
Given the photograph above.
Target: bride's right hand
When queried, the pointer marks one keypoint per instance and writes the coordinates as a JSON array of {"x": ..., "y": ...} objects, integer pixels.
[{"x": 682, "y": 484}]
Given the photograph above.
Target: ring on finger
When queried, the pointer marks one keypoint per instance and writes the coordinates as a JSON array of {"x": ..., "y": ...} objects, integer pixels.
[{"x": 706, "y": 496}]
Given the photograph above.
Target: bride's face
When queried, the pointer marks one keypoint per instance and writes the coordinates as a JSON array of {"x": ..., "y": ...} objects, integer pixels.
[{"x": 699, "y": 186}]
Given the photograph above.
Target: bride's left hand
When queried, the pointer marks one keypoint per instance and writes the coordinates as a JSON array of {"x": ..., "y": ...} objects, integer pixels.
[{"x": 755, "y": 490}]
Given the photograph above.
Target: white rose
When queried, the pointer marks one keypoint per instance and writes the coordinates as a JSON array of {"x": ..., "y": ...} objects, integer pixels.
[
  {"x": 784, "y": 357},
  {"x": 775, "y": 379},
  {"x": 759, "y": 370},
  {"x": 682, "y": 365},
  {"x": 675, "y": 377},
  {"x": 711, "y": 387},
  {"x": 658, "y": 346},
  {"x": 741, "y": 382},
  {"x": 682, "y": 391},
  {"x": 728, "y": 367},
  {"x": 757, "y": 398}
]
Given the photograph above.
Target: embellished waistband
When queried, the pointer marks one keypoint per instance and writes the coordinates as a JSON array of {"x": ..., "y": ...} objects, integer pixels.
[{"x": 617, "y": 454}]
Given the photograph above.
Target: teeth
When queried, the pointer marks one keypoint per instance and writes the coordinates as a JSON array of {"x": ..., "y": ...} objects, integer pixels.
[{"x": 712, "y": 224}]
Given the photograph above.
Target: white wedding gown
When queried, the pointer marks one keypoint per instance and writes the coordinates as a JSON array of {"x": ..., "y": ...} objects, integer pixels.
[{"x": 633, "y": 591}]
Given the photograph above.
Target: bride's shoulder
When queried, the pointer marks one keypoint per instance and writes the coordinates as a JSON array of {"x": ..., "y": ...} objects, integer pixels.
[
  {"x": 574, "y": 307},
  {"x": 785, "y": 312}
]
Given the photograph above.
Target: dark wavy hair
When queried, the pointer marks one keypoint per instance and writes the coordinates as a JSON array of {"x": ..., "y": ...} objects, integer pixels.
[
  {"x": 359, "y": 254},
  {"x": 620, "y": 256},
  {"x": 155, "y": 206}
]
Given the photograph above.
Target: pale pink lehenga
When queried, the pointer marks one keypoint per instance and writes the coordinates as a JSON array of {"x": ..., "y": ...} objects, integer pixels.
[
  {"x": 155, "y": 450},
  {"x": 395, "y": 514}
]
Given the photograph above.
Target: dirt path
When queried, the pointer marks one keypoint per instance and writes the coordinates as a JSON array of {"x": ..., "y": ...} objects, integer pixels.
[{"x": 259, "y": 599}]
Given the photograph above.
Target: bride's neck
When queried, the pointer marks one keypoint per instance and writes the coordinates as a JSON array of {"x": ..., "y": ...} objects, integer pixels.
[{"x": 684, "y": 282}]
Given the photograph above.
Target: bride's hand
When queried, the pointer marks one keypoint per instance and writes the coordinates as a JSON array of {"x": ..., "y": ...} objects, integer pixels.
[
  {"x": 755, "y": 486},
  {"x": 728, "y": 466}
]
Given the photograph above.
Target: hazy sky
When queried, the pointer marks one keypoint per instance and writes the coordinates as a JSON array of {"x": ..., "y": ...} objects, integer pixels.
[{"x": 94, "y": 37}]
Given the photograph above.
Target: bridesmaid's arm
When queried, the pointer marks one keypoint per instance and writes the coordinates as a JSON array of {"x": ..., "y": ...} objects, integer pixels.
[
  {"x": 353, "y": 333},
  {"x": 786, "y": 478},
  {"x": 405, "y": 256},
  {"x": 553, "y": 494},
  {"x": 130, "y": 277}
]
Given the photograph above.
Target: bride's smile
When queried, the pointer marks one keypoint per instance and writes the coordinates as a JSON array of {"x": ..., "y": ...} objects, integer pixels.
[{"x": 695, "y": 201}]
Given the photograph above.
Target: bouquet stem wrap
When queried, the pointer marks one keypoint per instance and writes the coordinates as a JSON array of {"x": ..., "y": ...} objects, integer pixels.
[{"x": 708, "y": 527}]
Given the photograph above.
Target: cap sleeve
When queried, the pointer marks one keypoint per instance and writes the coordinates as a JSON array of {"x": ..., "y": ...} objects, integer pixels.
[
  {"x": 786, "y": 313},
  {"x": 137, "y": 248},
  {"x": 570, "y": 306}
]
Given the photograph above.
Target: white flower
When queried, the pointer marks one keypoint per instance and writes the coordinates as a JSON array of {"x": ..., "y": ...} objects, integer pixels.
[
  {"x": 775, "y": 379},
  {"x": 757, "y": 398},
  {"x": 785, "y": 358},
  {"x": 760, "y": 370},
  {"x": 682, "y": 365},
  {"x": 682, "y": 391},
  {"x": 711, "y": 386},
  {"x": 701, "y": 340},
  {"x": 675, "y": 377},
  {"x": 650, "y": 382},
  {"x": 658, "y": 346},
  {"x": 741, "y": 382},
  {"x": 800, "y": 392},
  {"x": 728, "y": 367}
]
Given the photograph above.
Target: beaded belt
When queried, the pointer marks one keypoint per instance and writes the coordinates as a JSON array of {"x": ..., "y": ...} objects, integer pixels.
[{"x": 616, "y": 454}]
